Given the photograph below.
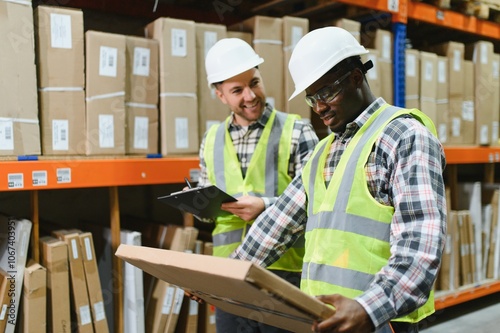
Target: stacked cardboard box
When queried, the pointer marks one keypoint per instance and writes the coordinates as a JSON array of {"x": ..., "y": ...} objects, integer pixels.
[
  {"x": 381, "y": 40},
  {"x": 268, "y": 43},
  {"x": 210, "y": 110},
  {"x": 481, "y": 54},
  {"x": 178, "y": 99},
  {"x": 293, "y": 30},
  {"x": 428, "y": 84},
  {"x": 61, "y": 81},
  {"x": 442, "y": 102},
  {"x": 19, "y": 125},
  {"x": 105, "y": 93},
  {"x": 460, "y": 118},
  {"x": 141, "y": 96},
  {"x": 412, "y": 84}
]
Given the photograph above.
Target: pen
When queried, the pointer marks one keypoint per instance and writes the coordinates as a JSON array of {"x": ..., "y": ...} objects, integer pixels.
[{"x": 187, "y": 182}]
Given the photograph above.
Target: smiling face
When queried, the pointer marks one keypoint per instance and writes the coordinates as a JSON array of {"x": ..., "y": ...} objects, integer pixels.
[
  {"x": 245, "y": 96},
  {"x": 348, "y": 102}
]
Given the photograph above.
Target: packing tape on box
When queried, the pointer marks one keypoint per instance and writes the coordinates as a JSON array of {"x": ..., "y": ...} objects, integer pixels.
[
  {"x": 442, "y": 101},
  {"x": 141, "y": 105},
  {"x": 268, "y": 41},
  {"x": 19, "y": 120},
  {"x": 61, "y": 89},
  {"x": 191, "y": 95},
  {"x": 104, "y": 96},
  {"x": 411, "y": 97},
  {"x": 428, "y": 99},
  {"x": 20, "y": 2}
]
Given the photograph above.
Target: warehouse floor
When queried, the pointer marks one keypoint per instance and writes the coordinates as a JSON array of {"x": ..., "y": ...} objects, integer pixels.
[{"x": 478, "y": 316}]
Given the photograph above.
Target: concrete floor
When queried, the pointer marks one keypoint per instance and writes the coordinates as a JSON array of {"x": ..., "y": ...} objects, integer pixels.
[{"x": 478, "y": 316}]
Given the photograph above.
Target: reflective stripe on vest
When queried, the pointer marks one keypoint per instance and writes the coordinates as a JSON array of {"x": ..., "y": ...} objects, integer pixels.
[
  {"x": 347, "y": 233},
  {"x": 266, "y": 176}
]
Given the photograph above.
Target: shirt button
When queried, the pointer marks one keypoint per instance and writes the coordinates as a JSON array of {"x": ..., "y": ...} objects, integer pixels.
[{"x": 243, "y": 160}]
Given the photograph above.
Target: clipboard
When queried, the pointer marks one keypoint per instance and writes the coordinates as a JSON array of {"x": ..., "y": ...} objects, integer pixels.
[{"x": 203, "y": 202}]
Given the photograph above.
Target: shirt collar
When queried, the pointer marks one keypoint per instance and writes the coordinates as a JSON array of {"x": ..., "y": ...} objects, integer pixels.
[{"x": 262, "y": 121}]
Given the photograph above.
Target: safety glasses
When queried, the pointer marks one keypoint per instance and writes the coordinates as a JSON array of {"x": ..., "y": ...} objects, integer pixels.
[{"x": 328, "y": 93}]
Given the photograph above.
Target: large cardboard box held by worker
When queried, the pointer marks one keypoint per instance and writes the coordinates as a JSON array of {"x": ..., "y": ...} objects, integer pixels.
[{"x": 236, "y": 286}]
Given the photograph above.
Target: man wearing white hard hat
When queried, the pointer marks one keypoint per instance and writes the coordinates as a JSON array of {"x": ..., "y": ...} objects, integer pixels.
[
  {"x": 253, "y": 156},
  {"x": 370, "y": 200}
]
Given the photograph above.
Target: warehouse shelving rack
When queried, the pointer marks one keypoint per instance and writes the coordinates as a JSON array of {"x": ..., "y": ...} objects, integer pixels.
[{"x": 115, "y": 171}]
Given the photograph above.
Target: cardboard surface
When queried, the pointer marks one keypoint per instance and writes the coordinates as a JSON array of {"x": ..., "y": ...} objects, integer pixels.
[{"x": 239, "y": 287}]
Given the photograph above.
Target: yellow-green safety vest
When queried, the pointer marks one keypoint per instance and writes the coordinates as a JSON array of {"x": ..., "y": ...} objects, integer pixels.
[
  {"x": 266, "y": 176},
  {"x": 347, "y": 232}
]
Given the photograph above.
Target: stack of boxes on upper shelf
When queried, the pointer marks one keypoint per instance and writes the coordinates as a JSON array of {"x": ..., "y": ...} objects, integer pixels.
[
  {"x": 457, "y": 85},
  {"x": 110, "y": 94}
]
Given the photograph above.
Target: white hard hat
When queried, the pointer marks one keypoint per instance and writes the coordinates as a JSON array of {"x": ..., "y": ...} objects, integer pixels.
[
  {"x": 229, "y": 57},
  {"x": 318, "y": 52}
]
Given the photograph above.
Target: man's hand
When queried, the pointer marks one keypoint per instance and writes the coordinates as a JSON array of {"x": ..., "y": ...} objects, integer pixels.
[
  {"x": 247, "y": 207},
  {"x": 193, "y": 297},
  {"x": 349, "y": 316}
]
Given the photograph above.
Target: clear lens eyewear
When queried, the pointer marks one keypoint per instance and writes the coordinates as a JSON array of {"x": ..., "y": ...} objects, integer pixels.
[{"x": 328, "y": 93}]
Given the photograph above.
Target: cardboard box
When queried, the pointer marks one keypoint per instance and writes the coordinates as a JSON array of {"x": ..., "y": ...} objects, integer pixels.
[
  {"x": 496, "y": 99},
  {"x": 468, "y": 125},
  {"x": 454, "y": 51},
  {"x": 373, "y": 75},
  {"x": 354, "y": 27},
  {"x": 34, "y": 314},
  {"x": 442, "y": 102},
  {"x": 381, "y": 40},
  {"x": 141, "y": 130},
  {"x": 293, "y": 30},
  {"x": 481, "y": 54},
  {"x": 412, "y": 97},
  {"x": 268, "y": 43},
  {"x": 105, "y": 121},
  {"x": 54, "y": 253},
  {"x": 141, "y": 96},
  {"x": 428, "y": 84},
  {"x": 246, "y": 36},
  {"x": 239, "y": 287},
  {"x": 179, "y": 122},
  {"x": 19, "y": 125},
  {"x": 93, "y": 283},
  {"x": 211, "y": 111},
  {"x": 178, "y": 82},
  {"x": 62, "y": 115},
  {"x": 80, "y": 299},
  {"x": 105, "y": 93},
  {"x": 60, "y": 47}
]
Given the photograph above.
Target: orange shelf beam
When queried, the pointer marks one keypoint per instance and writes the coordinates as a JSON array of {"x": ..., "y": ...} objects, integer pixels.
[
  {"x": 81, "y": 173},
  {"x": 471, "y": 155},
  {"x": 465, "y": 295},
  {"x": 453, "y": 20}
]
